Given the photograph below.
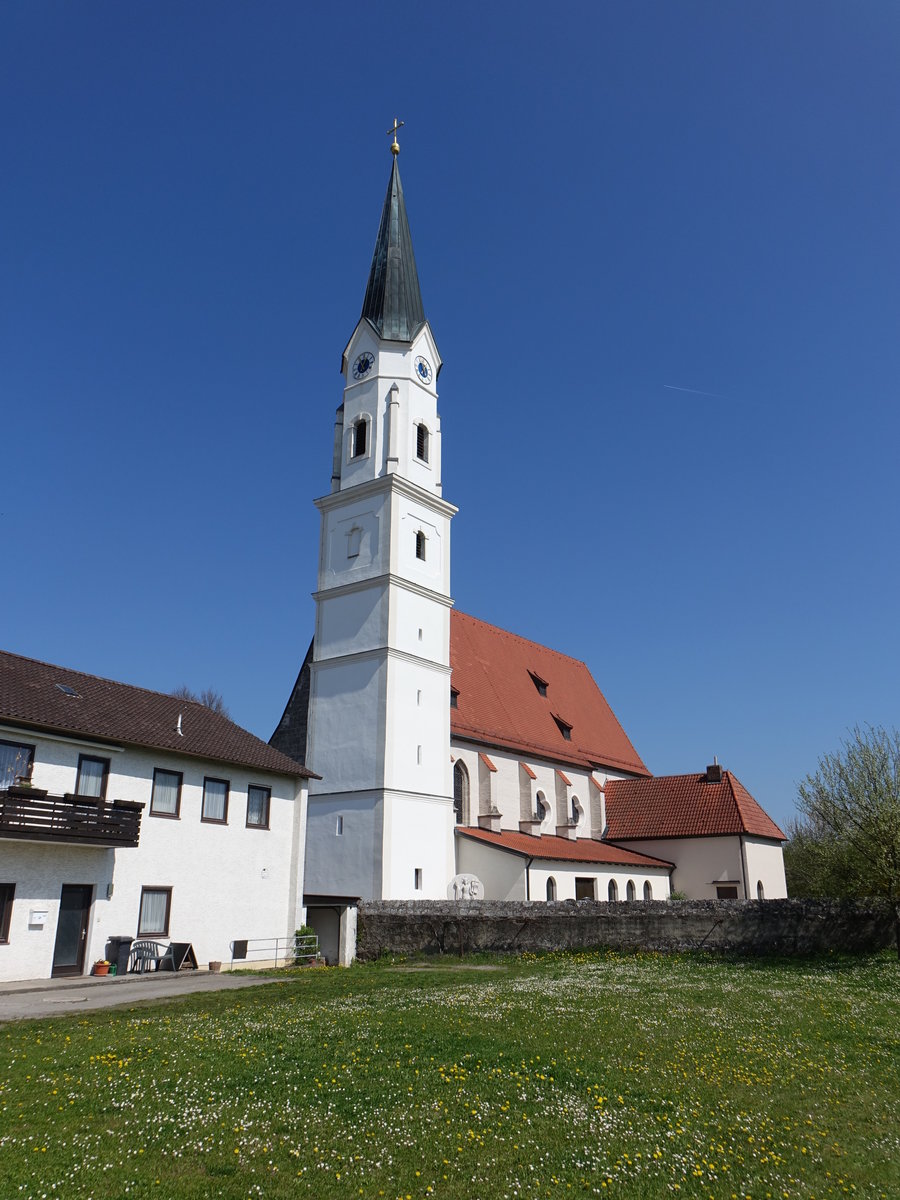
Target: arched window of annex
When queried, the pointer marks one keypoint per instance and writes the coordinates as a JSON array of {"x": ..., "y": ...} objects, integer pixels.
[
  {"x": 613, "y": 891},
  {"x": 422, "y": 439},
  {"x": 551, "y": 888},
  {"x": 648, "y": 890},
  {"x": 359, "y": 441},
  {"x": 760, "y": 890},
  {"x": 540, "y": 807},
  {"x": 420, "y": 545},
  {"x": 630, "y": 890},
  {"x": 461, "y": 793}
]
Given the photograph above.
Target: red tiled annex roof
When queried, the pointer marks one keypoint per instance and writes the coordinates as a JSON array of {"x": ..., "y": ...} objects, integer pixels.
[
  {"x": 498, "y": 703},
  {"x": 118, "y": 712},
  {"x": 584, "y": 850},
  {"x": 684, "y": 806}
]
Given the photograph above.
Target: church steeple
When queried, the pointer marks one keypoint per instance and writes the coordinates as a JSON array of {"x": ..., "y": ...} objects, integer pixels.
[{"x": 393, "y": 302}]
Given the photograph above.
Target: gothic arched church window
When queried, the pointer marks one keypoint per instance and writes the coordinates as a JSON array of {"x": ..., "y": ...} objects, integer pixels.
[{"x": 461, "y": 793}]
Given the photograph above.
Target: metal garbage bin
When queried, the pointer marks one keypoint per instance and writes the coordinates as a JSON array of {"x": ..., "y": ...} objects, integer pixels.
[{"x": 118, "y": 951}]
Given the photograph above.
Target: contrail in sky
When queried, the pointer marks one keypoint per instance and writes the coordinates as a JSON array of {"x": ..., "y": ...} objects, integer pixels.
[{"x": 694, "y": 391}]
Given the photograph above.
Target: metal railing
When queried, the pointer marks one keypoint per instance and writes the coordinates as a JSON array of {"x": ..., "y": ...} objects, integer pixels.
[{"x": 279, "y": 952}]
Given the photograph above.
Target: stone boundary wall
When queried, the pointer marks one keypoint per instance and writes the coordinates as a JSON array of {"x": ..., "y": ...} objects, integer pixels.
[{"x": 512, "y": 927}]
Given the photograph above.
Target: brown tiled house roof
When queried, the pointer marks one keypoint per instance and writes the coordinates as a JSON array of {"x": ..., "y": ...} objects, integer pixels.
[
  {"x": 674, "y": 806},
  {"x": 519, "y": 696},
  {"x": 583, "y": 850},
  {"x": 117, "y": 712}
]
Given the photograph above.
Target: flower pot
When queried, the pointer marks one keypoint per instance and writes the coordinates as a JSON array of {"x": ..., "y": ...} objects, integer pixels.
[
  {"x": 215, "y": 966},
  {"x": 101, "y": 968}
]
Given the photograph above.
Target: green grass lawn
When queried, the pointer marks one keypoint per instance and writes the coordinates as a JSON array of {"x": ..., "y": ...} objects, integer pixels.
[{"x": 598, "y": 1073}]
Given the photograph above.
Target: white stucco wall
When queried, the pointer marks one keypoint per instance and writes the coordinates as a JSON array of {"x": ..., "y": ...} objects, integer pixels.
[
  {"x": 228, "y": 881},
  {"x": 765, "y": 865},
  {"x": 418, "y": 835},
  {"x": 699, "y": 862}
]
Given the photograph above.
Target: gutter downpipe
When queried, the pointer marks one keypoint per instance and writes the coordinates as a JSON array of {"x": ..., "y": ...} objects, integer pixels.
[
  {"x": 528, "y": 878},
  {"x": 744, "y": 866}
]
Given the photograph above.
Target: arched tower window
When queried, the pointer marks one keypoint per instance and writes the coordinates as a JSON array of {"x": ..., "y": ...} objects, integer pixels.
[
  {"x": 613, "y": 891},
  {"x": 360, "y": 437},
  {"x": 630, "y": 890},
  {"x": 420, "y": 544},
  {"x": 551, "y": 888},
  {"x": 760, "y": 890},
  {"x": 648, "y": 890},
  {"x": 422, "y": 442},
  {"x": 461, "y": 793}
]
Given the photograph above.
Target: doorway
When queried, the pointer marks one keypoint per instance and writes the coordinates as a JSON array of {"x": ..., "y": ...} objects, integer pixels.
[{"x": 72, "y": 929}]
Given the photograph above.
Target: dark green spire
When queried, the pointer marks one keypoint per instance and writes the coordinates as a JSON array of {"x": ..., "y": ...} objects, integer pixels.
[{"x": 393, "y": 302}]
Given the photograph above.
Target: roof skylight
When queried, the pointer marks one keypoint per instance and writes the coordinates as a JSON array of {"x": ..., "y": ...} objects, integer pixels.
[{"x": 67, "y": 690}]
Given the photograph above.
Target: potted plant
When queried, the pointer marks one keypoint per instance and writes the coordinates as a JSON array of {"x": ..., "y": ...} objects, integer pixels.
[{"x": 101, "y": 967}]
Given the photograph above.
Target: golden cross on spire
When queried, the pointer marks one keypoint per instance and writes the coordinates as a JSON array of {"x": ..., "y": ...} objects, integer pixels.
[{"x": 395, "y": 146}]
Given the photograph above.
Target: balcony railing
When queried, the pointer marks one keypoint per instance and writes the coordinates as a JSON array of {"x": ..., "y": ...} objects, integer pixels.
[{"x": 32, "y": 815}]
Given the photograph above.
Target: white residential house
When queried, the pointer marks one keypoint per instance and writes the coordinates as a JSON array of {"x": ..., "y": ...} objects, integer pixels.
[
  {"x": 446, "y": 745},
  {"x": 142, "y": 815}
]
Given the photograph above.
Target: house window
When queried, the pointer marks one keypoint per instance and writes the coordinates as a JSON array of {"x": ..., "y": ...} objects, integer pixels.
[
  {"x": 420, "y": 544},
  {"x": 648, "y": 890},
  {"x": 630, "y": 890},
  {"x": 422, "y": 443},
  {"x": 760, "y": 890},
  {"x": 461, "y": 793},
  {"x": 585, "y": 889},
  {"x": 613, "y": 891},
  {"x": 156, "y": 903},
  {"x": 166, "y": 798},
  {"x": 726, "y": 891},
  {"x": 258, "y": 806},
  {"x": 7, "y": 892},
  {"x": 551, "y": 888},
  {"x": 215, "y": 801},
  {"x": 564, "y": 728},
  {"x": 16, "y": 759},
  {"x": 454, "y": 698},
  {"x": 417, "y": 879},
  {"x": 92, "y": 776},
  {"x": 540, "y": 684},
  {"x": 360, "y": 437}
]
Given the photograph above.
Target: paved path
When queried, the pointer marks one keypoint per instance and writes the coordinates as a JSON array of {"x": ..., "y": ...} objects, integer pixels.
[{"x": 54, "y": 997}]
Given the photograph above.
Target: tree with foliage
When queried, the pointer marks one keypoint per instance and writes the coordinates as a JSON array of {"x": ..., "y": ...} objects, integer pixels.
[
  {"x": 209, "y": 698},
  {"x": 847, "y": 841}
]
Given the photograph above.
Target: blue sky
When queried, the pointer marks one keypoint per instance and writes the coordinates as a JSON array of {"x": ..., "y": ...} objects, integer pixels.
[{"x": 658, "y": 244}]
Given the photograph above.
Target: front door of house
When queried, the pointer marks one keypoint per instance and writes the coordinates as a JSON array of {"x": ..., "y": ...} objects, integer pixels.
[{"x": 72, "y": 929}]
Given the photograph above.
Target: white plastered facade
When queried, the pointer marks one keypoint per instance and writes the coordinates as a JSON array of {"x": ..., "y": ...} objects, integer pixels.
[
  {"x": 228, "y": 881},
  {"x": 381, "y": 817}
]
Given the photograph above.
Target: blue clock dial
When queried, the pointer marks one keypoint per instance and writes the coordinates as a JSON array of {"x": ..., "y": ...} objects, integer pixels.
[
  {"x": 363, "y": 365},
  {"x": 423, "y": 369}
]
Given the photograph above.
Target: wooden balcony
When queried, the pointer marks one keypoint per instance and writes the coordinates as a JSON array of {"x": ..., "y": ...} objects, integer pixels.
[{"x": 31, "y": 815}]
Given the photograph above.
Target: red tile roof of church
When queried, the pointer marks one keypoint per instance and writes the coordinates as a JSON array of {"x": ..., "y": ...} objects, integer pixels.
[
  {"x": 684, "y": 806},
  {"x": 499, "y": 702},
  {"x": 584, "y": 850}
]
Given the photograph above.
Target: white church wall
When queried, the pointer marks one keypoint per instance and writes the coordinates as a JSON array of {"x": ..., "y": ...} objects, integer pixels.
[
  {"x": 352, "y": 622},
  {"x": 765, "y": 865},
  {"x": 345, "y": 745},
  {"x": 503, "y": 875},
  {"x": 228, "y": 880},
  {"x": 370, "y": 514},
  {"x": 420, "y": 627},
  {"x": 698, "y": 862},
  {"x": 344, "y": 841},
  {"x": 417, "y": 727},
  {"x": 418, "y": 837},
  {"x": 564, "y": 875}
]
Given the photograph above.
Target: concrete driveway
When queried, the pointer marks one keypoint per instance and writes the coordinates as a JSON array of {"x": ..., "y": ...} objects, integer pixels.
[{"x": 35, "y": 998}]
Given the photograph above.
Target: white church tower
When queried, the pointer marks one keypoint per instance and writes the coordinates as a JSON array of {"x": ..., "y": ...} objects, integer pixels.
[{"x": 381, "y": 817}]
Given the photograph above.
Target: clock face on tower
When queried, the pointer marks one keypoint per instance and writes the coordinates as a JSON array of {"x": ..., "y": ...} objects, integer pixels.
[
  {"x": 423, "y": 369},
  {"x": 363, "y": 365}
]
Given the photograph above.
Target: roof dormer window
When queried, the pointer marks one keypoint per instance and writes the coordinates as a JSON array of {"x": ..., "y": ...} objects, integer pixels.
[
  {"x": 540, "y": 684},
  {"x": 564, "y": 728}
]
